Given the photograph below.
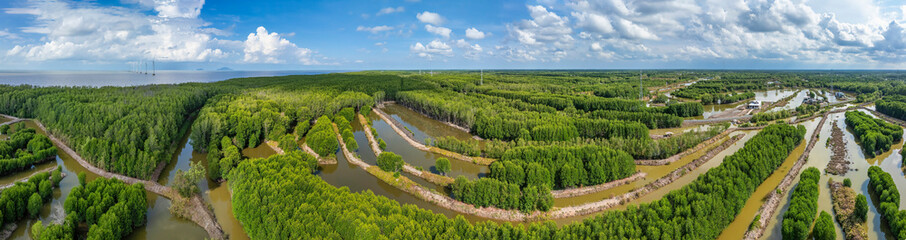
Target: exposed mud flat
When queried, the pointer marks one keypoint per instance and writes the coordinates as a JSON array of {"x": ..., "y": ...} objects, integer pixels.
[
  {"x": 844, "y": 205},
  {"x": 839, "y": 165}
]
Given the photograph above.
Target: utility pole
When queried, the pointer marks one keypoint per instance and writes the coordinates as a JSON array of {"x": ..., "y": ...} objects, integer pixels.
[{"x": 153, "y": 68}]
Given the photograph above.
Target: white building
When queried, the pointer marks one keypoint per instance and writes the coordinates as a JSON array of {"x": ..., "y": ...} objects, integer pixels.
[{"x": 754, "y": 104}]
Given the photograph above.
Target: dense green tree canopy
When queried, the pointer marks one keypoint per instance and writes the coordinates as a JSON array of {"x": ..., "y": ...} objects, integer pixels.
[
  {"x": 803, "y": 206},
  {"x": 874, "y": 135}
]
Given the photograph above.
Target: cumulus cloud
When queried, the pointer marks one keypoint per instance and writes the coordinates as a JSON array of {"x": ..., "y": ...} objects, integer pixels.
[
  {"x": 670, "y": 30},
  {"x": 434, "y": 49},
  {"x": 544, "y": 27},
  {"x": 375, "y": 29},
  {"x": 389, "y": 10},
  {"x": 474, "y": 34},
  {"x": 472, "y": 51},
  {"x": 264, "y": 47},
  {"x": 440, "y": 31},
  {"x": 776, "y": 15},
  {"x": 430, "y": 18},
  {"x": 545, "y": 36},
  {"x": 173, "y": 33},
  {"x": 173, "y": 8}
]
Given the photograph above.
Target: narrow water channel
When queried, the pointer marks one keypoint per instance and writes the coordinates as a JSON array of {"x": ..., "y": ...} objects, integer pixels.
[
  {"x": 422, "y": 126},
  {"x": 818, "y": 158},
  {"x": 657, "y": 172},
  {"x": 739, "y": 226},
  {"x": 889, "y": 161},
  {"x": 215, "y": 193},
  {"x": 418, "y": 158},
  {"x": 161, "y": 224}
]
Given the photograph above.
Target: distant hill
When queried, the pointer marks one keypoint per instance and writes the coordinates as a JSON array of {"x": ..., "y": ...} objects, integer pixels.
[{"x": 224, "y": 69}]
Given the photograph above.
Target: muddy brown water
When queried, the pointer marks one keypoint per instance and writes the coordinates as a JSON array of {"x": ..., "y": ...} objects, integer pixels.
[
  {"x": 161, "y": 224},
  {"x": 215, "y": 193},
  {"x": 889, "y": 161},
  {"x": 818, "y": 158},
  {"x": 414, "y": 156},
  {"x": 737, "y": 228},
  {"x": 422, "y": 126},
  {"x": 657, "y": 172}
]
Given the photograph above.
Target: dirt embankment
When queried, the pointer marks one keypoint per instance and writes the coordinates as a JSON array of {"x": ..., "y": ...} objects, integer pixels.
[
  {"x": 25, "y": 179},
  {"x": 838, "y": 164},
  {"x": 573, "y": 192},
  {"x": 461, "y": 128},
  {"x": 398, "y": 128},
  {"x": 605, "y": 204},
  {"x": 678, "y": 156},
  {"x": 444, "y": 201},
  {"x": 428, "y": 176},
  {"x": 844, "y": 204},
  {"x": 770, "y": 206},
  {"x": 884, "y": 116},
  {"x": 14, "y": 120},
  {"x": 198, "y": 211},
  {"x": 407, "y": 185},
  {"x": 275, "y": 146}
]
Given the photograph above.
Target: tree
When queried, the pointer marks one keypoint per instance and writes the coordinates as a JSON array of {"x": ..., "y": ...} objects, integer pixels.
[
  {"x": 390, "y": 162},
  {"x": 824, "y": 227},
  {"x": 45, "y": 189},
  {"x": 442, "y": 165},
  {"x": 4, "y": 129},
  {"x": 861, "y": 208},
  {"x": 57, "y": 176},
  {"x": 214, "y": 155},
  {"x": 803, "y": 206},
  {"x": 381, "y": 144},
  {"x": 82, "y": 178},
  {"x": 37, "y": 228},
  {"x": 186, "y": 182},
  {"x": 322, "y": 138},
  {"x": 847, "y": 182},
  {"x": 351, "y": 144},
  {"x": 34, "y": 205}
]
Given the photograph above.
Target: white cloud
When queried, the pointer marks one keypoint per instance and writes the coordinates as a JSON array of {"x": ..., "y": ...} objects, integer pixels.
[
  {"x": 440, "y": 31},
  {"x": 389, "y": 10},
  {"x": 472, "y": 51},
  {"x": 264, "y": 47},
  {"x": 375, "y": 29},
  {"x": 93, "y": 33},
  {"x": 474, "y": 34},
  {"x": 431, "y": 50},
  {"x": 6, "y": 34},
  {"x": 430, "y": 18},
  {"x": 97, "y": 33},
  {"x": 173, "y": 8},
  {"x": 544, "y": 37},
  {"x": 672, "y": 30}
]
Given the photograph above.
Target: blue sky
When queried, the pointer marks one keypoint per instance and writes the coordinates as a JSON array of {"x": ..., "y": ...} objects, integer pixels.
[{"x": 467, "y": 34}]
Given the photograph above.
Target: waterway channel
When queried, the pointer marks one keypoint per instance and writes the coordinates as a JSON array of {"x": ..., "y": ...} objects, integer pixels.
[{"x": 161, "y": 224}]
